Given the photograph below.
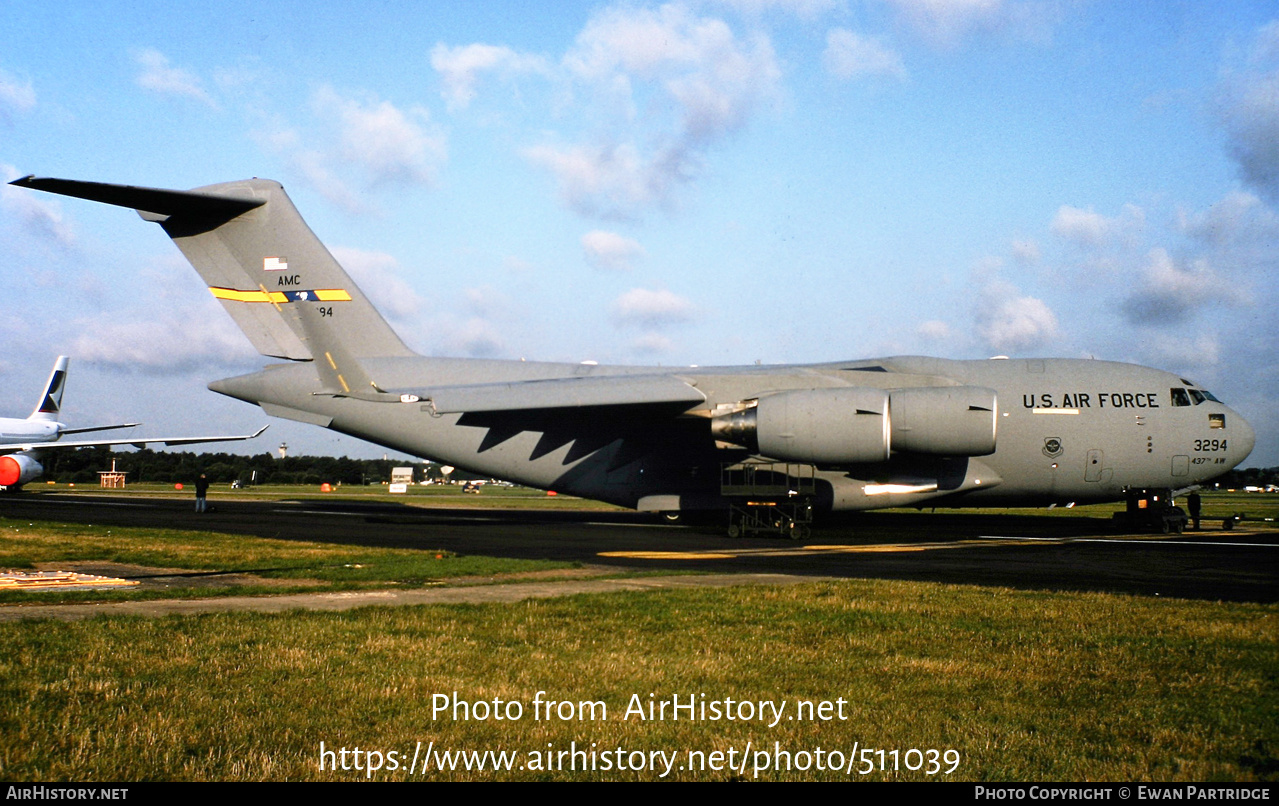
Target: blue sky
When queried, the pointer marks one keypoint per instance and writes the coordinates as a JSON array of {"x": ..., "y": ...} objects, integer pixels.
[{"x": 685, "y": 183}]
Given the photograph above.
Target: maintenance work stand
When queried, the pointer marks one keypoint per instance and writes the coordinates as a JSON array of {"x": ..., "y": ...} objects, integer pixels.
[{"x": 769, "y": 498}]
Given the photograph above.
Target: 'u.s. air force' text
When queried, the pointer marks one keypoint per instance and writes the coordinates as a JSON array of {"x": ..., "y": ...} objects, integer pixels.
[{"x": 1084, "y": 400}]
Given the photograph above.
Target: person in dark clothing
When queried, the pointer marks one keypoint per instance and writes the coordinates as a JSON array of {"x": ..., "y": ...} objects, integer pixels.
[
  {"x": 201, "y": 491},
  {"x": 1193, "y": 503}
]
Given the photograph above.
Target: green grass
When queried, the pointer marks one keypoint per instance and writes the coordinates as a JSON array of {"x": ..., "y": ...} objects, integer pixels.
[
  {"x": 434, "y": 495},
  {"x": 1025, "y": 686},
  {"x": 23, "y": 544}
]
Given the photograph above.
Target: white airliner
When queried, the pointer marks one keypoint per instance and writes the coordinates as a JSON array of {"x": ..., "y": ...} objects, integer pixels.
[{"x": 22, "y": 440}]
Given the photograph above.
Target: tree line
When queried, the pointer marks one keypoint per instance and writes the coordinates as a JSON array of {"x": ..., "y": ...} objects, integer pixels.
[{"x": 81, "y": 466}]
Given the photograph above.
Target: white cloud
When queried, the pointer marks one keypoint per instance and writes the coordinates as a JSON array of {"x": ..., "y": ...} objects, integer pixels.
[
  {"x": 714, "y": 77},
  {"x": 609, "y": 181},
  {"x": 1007, "y": 320},
  {"x": 353, "y": 144},
  {"x": 159, "y": 76},
  {"x": 1249, "y": 109},
  {"x": 15, "y": 95},
  {"x": 935, "y": 330},
  {"x": 1239, "y": 218},
  {"x": 667, "y": 85},
  {"x": 1026, "y": 252},
  {"x": 645, "y": 308},
  {"x": 1084, "y": 227},
  {"x": 1090, "y": 229},
  {"x": 460, "y": 68},
  {"x": 476, "y": 338},
  {"x": 1265, "y": 48},
  {"x": 389, "y": 143},
  {"x": 947, "y": 22},
  {"x": 488, "y": 302},
  {"x": 313, "y": 166},
  {"x": 804, "y": 9},
  {"x": 42, "y": 217},
  {"x": 379, "y": 276},
  {"x": 1184, "y": 352},
  {"x": 849, "y": 55},
  {"x": 1171, "y": 293},
  {"x": 201, "y": 338},
  {"x": 610, "y": 251}
]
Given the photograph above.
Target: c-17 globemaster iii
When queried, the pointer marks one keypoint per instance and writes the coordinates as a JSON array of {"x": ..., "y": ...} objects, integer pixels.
[{"x": 845, "y": 435}]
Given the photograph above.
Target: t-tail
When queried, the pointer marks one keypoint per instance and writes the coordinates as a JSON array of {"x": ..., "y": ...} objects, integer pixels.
[{"x": 256, "y": 254}]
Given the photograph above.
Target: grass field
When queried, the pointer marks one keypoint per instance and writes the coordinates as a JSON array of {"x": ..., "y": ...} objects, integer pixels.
[
  {"x": 1023, "y": 686},
  {"x": 313, "y": 567},
  {"x": 1020, "y": 685},
  {"x": 431, "y": 495}
]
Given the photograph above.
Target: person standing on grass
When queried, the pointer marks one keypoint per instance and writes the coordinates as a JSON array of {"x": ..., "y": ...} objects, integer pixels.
[{"x": 201, "y": 492}]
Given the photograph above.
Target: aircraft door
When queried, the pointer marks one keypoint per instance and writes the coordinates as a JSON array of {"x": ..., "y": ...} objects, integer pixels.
[
  {"x": 1181, "y": 465},
  {"x": 1094, "y": 466}
]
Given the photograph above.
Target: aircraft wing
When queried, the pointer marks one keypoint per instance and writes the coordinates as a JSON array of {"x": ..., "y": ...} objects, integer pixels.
[
  {"x": 137, "y": 442},
  {"x": 563, "y": 393},
  {"x": 97, "y": 428}
]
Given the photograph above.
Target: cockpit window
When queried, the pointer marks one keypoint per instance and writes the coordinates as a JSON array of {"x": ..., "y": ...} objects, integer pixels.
[
  {"x": 1197, "y": 396},
  {"x": 1211, "y": 396},
  {"x": 1179, "y": 397}
]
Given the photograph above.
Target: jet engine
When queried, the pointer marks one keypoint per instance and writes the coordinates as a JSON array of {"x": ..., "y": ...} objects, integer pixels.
[
  {"x": 944, "y": 420},
  {"x": 817, "y": 426},
  {"x": 850, "y": 425},
  {"x": 17, "y": 469}
]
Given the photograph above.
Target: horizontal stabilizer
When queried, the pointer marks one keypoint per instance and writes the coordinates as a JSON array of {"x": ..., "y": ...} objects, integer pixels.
[
  {"x": 562, "y": 393},
  {"x": 151, "y": 200},
  {"x": 137, "y": 442}
]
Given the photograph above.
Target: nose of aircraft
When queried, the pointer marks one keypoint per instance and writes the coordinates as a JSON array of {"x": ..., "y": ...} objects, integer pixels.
[{"x": 1242, "y": 439}]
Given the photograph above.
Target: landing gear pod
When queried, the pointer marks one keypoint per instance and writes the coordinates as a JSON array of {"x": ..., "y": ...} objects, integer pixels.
[{"x": 944, "y": 420}]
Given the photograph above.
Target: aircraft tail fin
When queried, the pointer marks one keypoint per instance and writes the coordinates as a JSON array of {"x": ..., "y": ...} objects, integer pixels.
[
  {"x": 50, "y": 404},
  {"x": 260, "y": 259}
]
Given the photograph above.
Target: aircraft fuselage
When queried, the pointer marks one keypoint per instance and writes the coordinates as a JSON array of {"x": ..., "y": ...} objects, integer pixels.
[{"x": 1064, "y": 430}]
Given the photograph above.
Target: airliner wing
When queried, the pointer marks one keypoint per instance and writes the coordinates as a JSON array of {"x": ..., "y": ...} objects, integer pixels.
[{"x": 137, "y": 442}]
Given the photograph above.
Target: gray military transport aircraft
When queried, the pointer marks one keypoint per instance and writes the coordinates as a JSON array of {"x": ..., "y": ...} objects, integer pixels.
[{"x": 768, "y": 444}]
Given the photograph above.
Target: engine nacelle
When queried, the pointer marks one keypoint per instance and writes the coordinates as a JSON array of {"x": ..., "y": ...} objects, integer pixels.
[
  {"x": 840, "y": 426},
  {"x": 945, "y": 420},
  {"x": 17, "y": 469}
]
